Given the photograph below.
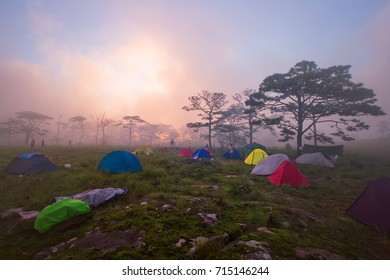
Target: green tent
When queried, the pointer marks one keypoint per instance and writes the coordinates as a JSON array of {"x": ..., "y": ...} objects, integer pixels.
[
  {"x": 58, "y": 212},
  {"x": 250, "y": 147}
]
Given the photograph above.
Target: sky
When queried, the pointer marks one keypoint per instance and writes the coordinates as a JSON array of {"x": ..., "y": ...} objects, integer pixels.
[{"x": 146, "y": 57}]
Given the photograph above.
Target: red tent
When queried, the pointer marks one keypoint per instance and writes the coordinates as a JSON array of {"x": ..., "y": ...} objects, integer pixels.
[
  {"x": 372, "y": 207},
  {"x": 209, "y": 150},
  {"x": 185, "y": 152},
  {"x": 288, "y": 174}
]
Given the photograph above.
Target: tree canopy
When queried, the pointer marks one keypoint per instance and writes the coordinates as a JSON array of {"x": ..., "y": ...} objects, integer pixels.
[
  {"x": 210, "y": 105},
  {"x": 308, "y": 95},
  {"x": 29, "y": 123}
]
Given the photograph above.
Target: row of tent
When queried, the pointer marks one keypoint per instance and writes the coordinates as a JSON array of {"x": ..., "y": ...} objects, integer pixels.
[{"x": 253, "y": 157}]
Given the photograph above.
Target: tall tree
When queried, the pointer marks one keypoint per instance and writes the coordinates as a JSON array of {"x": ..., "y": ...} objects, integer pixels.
[
  {"x": 231, "y": 123},
  {"x": 9, "y": 128},
  {"x": 78, "y": 122},
  {"x": 101, "y": 122},
  {"x": 308, "y": 95},
  {"x": 256, "y": 113},
  {"x": 30, "y": 123},
  {"x": 61, "y": 126},
  {"x": 130, "y": 122},
  {"x": 384, "y": 128},
  {"x": 210, "y": 105}
]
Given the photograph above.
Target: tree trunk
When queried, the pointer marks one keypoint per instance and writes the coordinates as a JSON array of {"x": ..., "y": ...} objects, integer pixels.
[
  {"x": 130, "y": 129},
  {"x": 250, "y": 133},
  {"x": 315, "y": 131},
  {"x": 210, "y": 132}
]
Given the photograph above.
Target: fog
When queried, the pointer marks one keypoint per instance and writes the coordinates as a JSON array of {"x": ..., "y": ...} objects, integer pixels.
[{"x": 147, "y": 57}]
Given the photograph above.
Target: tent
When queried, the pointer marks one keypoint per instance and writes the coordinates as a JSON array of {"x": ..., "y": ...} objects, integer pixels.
[
  {"x": 143, "y": 150},
  {"x": 31, "y": 163},
  {"x": 210, "y": 151},
  {"x": 185, "y": 152},
  {"x": 268, "y": 165},
  {"x": 288, "y": 174},
  {"x": 120, "y": 161},
  {"x": 201, "y": 153},
  {"x": 236, "y": 154},
  {"x": 58, "y": 212},
  {"x": 95, "y": 197},
  {"x": 250, "y": 147},
  {"x": 372, "y": 206},
  {"x": 255, "y": 157},
  {"x": 314, "y": 159}
]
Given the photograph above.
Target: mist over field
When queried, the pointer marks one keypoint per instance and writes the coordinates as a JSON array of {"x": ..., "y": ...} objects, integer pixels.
[{"x": 137, "y": 58}]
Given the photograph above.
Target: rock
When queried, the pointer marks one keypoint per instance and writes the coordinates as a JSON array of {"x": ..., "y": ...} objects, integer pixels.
[
  {"x": 204, "y": 245},
  {"x": 11, "y": 213},
  {"x": 209, "y": 218},
  {"x": 167, "y": 208},
  {"x": 315, "y": 253},
  {"x": 262, "y": 253},
  {"x": 211, "y": 187},
  {"x": 144, "y": 203},
  {"x": 180, "y": 243},
  {"x": 265, "y": 230}
]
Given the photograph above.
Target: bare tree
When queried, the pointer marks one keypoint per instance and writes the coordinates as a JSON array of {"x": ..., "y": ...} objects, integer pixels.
[
  {"x": 61, "y": 126},
  {"x": 101, "y": 122}
]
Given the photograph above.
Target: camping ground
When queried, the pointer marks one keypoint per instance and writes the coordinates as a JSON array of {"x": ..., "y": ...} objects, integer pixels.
[{"x": 179, "y": 209}]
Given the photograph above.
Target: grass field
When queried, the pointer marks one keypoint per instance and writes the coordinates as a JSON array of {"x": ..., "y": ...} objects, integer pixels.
[{"x": 160, "y": 216}]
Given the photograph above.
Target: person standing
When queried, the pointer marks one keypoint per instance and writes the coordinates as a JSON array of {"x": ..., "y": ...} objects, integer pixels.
[
  {"x": 231, "y": 151},
  {"x": 32, "y": 143}
]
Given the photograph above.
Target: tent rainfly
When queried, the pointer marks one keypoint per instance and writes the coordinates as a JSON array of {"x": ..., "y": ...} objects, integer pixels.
[
  {"x": 268, "y": 165},
  {"x": 314, "y": 159},
  {"x": 372, "y": 206}
]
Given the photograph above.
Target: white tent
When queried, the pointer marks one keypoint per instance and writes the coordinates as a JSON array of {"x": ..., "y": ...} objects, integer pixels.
[
  {"x": 314, "y": 159},
  {"x": 268, "y": 165}
]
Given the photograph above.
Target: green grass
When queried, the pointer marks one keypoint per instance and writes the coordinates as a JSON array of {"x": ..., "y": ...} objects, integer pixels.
[{"x": 299, "y": 217}]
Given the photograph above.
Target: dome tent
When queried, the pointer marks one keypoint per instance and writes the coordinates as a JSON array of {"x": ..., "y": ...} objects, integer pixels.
[
  {"x": 120, "y": 162},
  {"x": 185, "y": 152},
  {"x": 143, "y": 150},
  {"x": 31, "y": 163},
  {"x": 202, "y": 153},
  {"x": 250, "y": 147},
  {"x": 314, "y": 159},
  {"x": 372, "y": 206},
  {"x": 236, "y": 154},
  {"x": 288, "y": 174},
  {"x": 268, "y": 165},
  {"x": 255, "y": 157}
]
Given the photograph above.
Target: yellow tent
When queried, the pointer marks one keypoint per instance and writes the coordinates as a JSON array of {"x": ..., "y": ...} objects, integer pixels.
[
  {"x": 143, "y": 150},
  {"x": 255, "y": 157}
]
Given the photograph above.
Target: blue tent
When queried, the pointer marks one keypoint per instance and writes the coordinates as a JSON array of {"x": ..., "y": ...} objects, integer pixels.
[
  {"x": 31, "y": 163},
  {"x": 120, "y": 162},
  {"x": 201, "y": 153},
  {"x": 236, "y": 154}
]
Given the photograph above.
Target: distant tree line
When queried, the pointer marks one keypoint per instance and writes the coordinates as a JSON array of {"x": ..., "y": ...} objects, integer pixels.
[
  {"x": 292, "y": 103},
  {"x": 32, "y": 125}
]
